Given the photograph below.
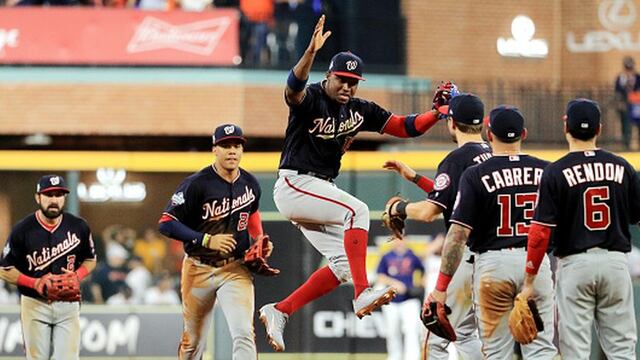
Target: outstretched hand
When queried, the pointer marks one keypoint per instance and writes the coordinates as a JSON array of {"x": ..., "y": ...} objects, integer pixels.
[
  {"x": 319, "y": 37},
  {"x": 401, "y": 168}
]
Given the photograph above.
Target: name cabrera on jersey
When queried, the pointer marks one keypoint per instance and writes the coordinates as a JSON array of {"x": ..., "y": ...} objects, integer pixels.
[
  {"x": 590, "y": 198},
  {"x": 449, "y": 171},
  {"x": 35, "y": 250},
  {"x": 207, "y": 203},
  {"x": 497, "y": 200},
  {"x": 320, "y": 130}
]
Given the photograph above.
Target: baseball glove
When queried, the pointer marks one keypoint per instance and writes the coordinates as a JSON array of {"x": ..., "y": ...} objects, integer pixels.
[
  {"x": 395, "y": 223},
  {"x": 64, "y": 287},
  {"x": 255, "y": 259},
  {"x": 444, "y": 93},
  {"x": 434, "y": 317},
  {"x": 525, "y": 321}
]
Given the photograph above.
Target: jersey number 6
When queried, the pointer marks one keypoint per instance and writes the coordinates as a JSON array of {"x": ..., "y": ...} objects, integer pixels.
[
  {"x": 522, "y": 200},
  {"x": 597, "y": 214}
]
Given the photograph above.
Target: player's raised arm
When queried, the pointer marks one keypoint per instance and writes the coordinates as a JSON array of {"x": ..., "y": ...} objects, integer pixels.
[
  {"x": 414, "y": 125},
  {"x": 297, "y": 80}
]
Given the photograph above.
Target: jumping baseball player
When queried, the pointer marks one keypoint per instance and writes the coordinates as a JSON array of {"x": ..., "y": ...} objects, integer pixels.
[
  {"x": 495, "y": 203},
  {"x": 214, "y": 212},
  {"x": 47, "y": 254},
  {"x": 587, "y": 198},
  {"x": 324, "y": 119},
  {"x": 464, "y": 122}
]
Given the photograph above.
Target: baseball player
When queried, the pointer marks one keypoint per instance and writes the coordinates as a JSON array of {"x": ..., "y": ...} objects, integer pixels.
[
  {"x": 214, "y": 212},
  {"x": 588, "y": 197},
  {"x": 495, "y": 203},
  {"x": 324, "y": 119},
  {"x": 398, "y": 268},
  {"x": 464, "y": 121},
  {"x": 44, "y": 246}
]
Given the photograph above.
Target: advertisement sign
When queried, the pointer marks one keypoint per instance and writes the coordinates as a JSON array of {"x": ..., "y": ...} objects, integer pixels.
[
  {"x": 108, "y": 331},
  {"x": 118, "y": 37}
]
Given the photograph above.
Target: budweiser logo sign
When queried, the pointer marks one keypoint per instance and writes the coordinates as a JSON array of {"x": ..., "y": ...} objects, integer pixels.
[
  {"x": 200, "y": 37},
  {"x": 8, "y": 38}
]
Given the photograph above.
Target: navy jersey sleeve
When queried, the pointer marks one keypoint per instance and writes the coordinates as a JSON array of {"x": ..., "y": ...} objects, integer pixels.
[
  {"x": 13, "y": 250},
  {"x": 383, "y": 267},
  {"x": 87, "y": 250},
  {"x": 375, "y": 116},
  {"x": 182, "y": 201},
  {"x": 444, "y": 189},
  {"x": 258, "y": 190},
  {"x": 546, "y": 212},
  {"x": 308, "y": 102},
  {"x": 466, "y": 204}
]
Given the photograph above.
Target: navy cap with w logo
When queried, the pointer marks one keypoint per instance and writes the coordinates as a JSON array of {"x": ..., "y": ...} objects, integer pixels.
[
  {"x": 347, "y": 64},
  {"x": 50, "y": 183}
]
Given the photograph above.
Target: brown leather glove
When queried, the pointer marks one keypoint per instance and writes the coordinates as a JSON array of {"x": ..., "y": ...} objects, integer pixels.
[
  {"x": 64, "y": 287},
  {"x": 525, "y": 321},
  {"x": 395, "y": 223},
  {"x": 255, "y": 259}
]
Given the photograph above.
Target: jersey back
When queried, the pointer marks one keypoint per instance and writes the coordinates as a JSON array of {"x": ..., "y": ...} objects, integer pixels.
[
  {"x": 321, "y": 130},
  {"x": 497, "y": 200},
  {"x": 450, "y": 170},
  {"x": 205, "y": 202},
  {"x": 590, "y": 198}
]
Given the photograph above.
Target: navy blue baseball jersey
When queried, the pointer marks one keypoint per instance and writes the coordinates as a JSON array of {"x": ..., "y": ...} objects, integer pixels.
[
  {"x": 401, "y": 267},
  {"x": 36, "y": 249},
  {"x": 321, "y": 130},
  {"x": 497, "y": 199},
  {"x": 590, "y": 197},
  {"x": 207, "y": 203},
  {"x": 450, "y": 169}
]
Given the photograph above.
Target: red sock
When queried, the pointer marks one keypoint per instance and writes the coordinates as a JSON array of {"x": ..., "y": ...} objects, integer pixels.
[
  {"x": 318, "y": 284},
  {"x": 355, "y": 245}
]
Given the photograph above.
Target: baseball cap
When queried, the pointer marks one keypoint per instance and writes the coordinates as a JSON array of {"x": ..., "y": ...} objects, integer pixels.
[
  {"x": 466, "y": 109},
  {"x": 583, "y": 118},
  {"x": 227, "y": 132},
  {"x": 50, "y": 183},
  {"x": 347, "y": 64},
  {"x": 506, "y": 122}
]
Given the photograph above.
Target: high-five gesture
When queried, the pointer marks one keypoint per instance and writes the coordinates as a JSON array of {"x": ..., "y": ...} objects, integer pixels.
[{"x": 319, "y": 36}]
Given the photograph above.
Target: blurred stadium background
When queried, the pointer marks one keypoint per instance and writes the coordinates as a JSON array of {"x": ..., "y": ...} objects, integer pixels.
[{"x": 121, "y": 97}]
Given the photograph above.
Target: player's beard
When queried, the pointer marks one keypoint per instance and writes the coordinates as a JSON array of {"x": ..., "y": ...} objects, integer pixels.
[{"x": 51, "y": 212}]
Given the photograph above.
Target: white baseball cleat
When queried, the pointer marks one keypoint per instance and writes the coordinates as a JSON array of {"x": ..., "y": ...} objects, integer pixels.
[
  {"x": 371, "y": 299},
  {"x": 274, "y": 321}
]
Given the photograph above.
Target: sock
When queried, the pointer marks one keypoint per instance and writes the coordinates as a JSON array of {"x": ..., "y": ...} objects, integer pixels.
[
  {"x": 355, "y": 245},
  {"x": 321, "y": 282}
]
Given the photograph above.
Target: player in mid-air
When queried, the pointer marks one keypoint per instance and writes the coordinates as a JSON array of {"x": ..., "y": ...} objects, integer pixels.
[
  {"x": 47, "y": 245},
  {"x": 587, "y": 200},
  {"x": 465, "y": 113},
  {"x": 324, "y": 119},
  {"x": 495, "y": 203},
  {"x": 214, "y": 212}
]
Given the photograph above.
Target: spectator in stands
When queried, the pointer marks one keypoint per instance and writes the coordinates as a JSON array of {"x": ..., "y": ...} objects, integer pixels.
[
  {"x": 627, "y": 82},
  {"x": 124, "y": 296},
  {"x": 398, "y": 268},
  {"x": 110, "y": 276},
  {"x": 163, "y": 293},
  {"x": 152, "y": 249},
  {"x": 259, "y": 16},
  {"x": 8, "y": 294},
  {"x": 138, "y": 279}
]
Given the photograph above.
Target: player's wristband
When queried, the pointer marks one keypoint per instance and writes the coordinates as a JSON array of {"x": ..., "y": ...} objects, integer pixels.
[
  {"x": 443, "y": 281},
  {"x": 206, "y": 239},
  {"x": 82, "y": 272},
  {"x": 294, "y": 83},
  {"x": 423, "y": 183},
  {"x": 26, "y": 281}
]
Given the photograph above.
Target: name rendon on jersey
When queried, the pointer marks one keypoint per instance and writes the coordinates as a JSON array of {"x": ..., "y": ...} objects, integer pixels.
[
  {"x": 511, "y": 177},
  {"x": 590, "y": 172}
]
